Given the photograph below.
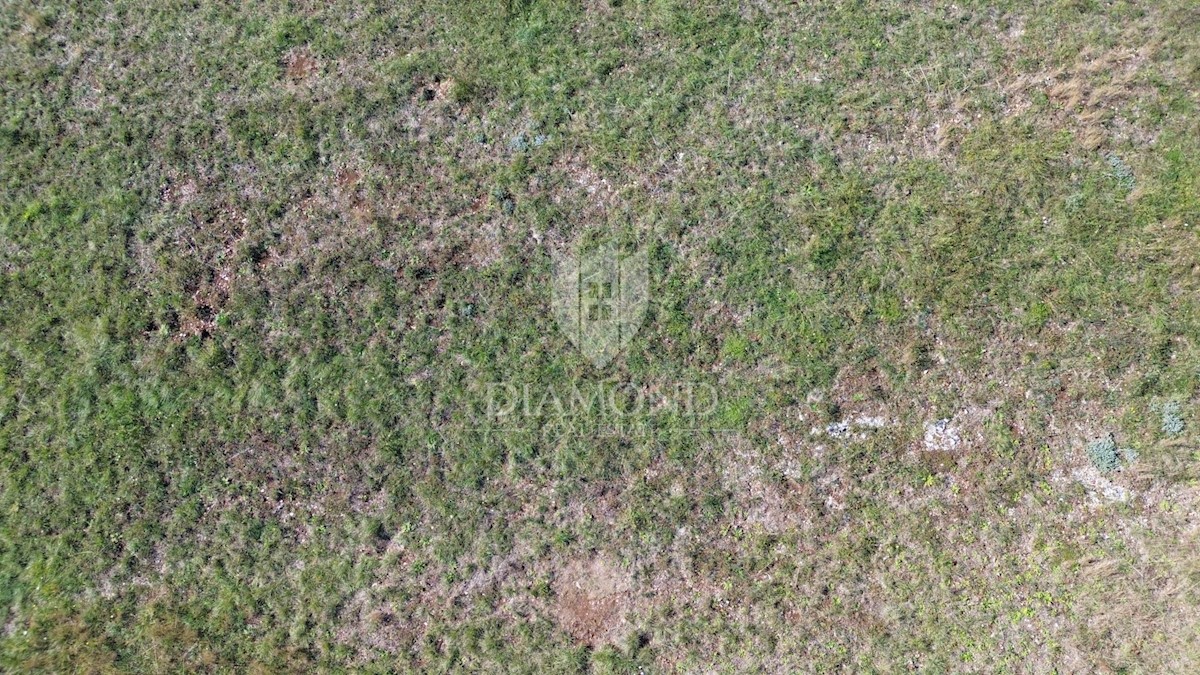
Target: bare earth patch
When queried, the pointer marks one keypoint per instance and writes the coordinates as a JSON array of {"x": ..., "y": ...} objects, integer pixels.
[
  {"x": 593, "y": 600},
  {"x": 299, "y": 65}
]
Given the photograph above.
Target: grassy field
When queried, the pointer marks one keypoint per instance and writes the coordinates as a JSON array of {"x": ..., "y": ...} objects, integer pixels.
[{"x": 264, "y": 267}]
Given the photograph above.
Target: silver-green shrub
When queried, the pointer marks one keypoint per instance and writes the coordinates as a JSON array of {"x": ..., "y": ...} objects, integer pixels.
[
  {"x": 1103, "y": 454},
  {"x": 1172, "y": 421}
]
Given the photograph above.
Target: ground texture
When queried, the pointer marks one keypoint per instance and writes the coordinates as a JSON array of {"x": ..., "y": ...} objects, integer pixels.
[{"x": 261, "y": 264}]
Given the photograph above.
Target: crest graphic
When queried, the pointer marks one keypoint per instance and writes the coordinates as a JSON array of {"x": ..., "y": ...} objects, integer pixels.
[{"x": 599, "y": 299}]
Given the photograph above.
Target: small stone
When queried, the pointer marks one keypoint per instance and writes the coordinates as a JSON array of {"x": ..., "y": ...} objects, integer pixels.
[
  {"x": 838, "y": 429},
  {"x": 941, "y": 435}
]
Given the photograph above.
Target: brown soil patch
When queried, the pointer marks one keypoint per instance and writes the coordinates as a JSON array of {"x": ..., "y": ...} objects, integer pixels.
[
  {"x": 299, "y": 65},
  {"x": 434, "y": 90},
  {"x": 593, "y": 599},
  {"x": 441, "y": 90},
  {"x": 347, "y": 178}
]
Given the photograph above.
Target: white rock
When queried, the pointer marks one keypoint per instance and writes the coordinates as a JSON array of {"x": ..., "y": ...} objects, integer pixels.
[
  {"x": 941, "y": 435},
  {"x": 1091, "y": 478},
  {"x": 855, "y": 427},
  {"x": 838, "y": 429},
  {"x": 869, "y": 422}
]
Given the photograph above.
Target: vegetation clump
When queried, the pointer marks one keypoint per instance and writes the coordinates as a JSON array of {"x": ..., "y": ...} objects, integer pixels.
[
  {"x": 1106, "y": 456},
  {"x": 1120, "y": 171},
  {"x": 1172, "y": 419}
]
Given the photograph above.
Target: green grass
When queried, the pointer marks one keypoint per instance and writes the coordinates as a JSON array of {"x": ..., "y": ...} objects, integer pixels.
[{"x": 258, "y": 266}]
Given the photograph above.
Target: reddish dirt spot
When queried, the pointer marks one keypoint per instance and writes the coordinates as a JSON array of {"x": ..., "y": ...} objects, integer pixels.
[
  {"x": 593, "y": 598},
  {"x": 299, "y": 65},
  {"x": 347, "y": 178}
]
